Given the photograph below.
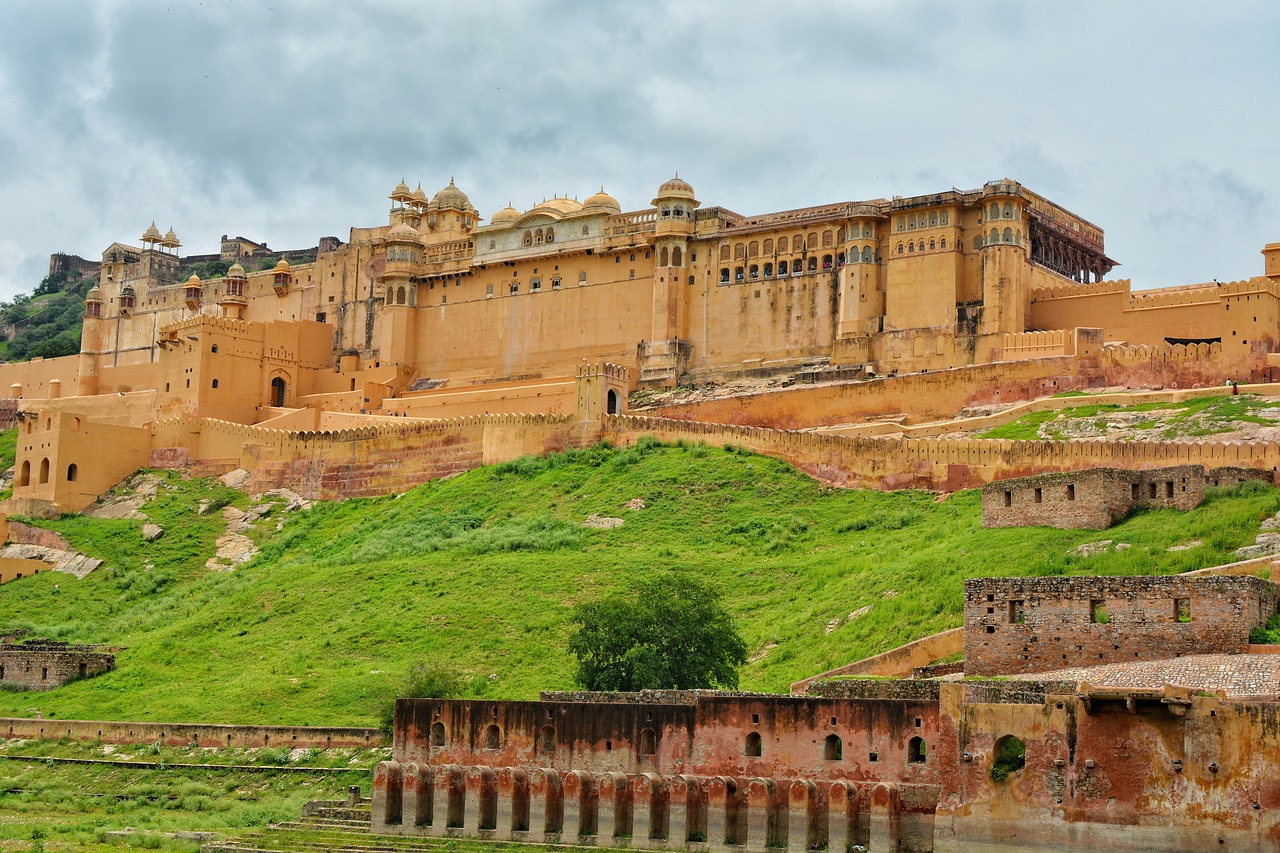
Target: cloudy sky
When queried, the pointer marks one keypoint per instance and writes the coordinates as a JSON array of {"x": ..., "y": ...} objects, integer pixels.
[{"x": 286, "y": 120}]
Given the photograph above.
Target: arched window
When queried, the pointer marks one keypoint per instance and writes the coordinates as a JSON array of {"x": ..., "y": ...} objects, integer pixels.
[
  {"x": 215, "y": 383},
  {"x": 1008, "y": 210},
  {"x": 826, "y": 262},
  {"x": 867, "y": 257},
  {"x": 943, "y": 218},
  {"x": 612, "y": 404},
  {"x": 24, "y": 476},
  {"x": 902, "y": 224},
  {"x": 1008, "y": 235},
  {"x": 528, "y": 238},
  {"x": 915, "y": 750},
  {"x": 737, "y": 273},
  {"x": 832, "y": 748},
  {"x": 753, "y": 748},
  {"x": 72, "y": 471},
  {"x": 400, "y": 295},
  {"x": 933, "y": 217},
  {"x": 666, "y": 211},
  {"x": 911, "y": 247},
  {"x": 828, "y": 239},
  {"x": 901, "y": 248},
  {"x": 754, "y": 271},
  {"x": 768, "y": 270},
  {"x": 942, "y": 244},
  {"x": 724, "y": 252},
  {"x": 586, "y": 230},
  {"x": 768, "y": 246},
  {"x": 492, "y": 737},
  {"x": 782, "y": 244},
  {"x": 753, "y": 249},
  {"x": 677, "y": 257},
  {"x": 277, "y": 392},
  {"x": 493, "y": 243},
  {"x": 437, "y": 733},
  {"x": 911, "y": 221},
  {"x": 547, "y": 740},
  {"x": 1008, "y": 756},
  {"x": 551, "y": 235},
  {"x": 44, "y": 470},
  {"x": 932, "y": 245},
  {"x": 648, "y": 742},
  {"x": 679, "y": 211},
  {"x": 724, "y": 275},
  {"x": 994, "y": 211},
  {"x": 995, "y": 236},
  {"x": 739, "y": 251},
  {"x": 813, "y": 265},
  {"x": 663, "y": 257},
  {"x": 811, "y": 241}
]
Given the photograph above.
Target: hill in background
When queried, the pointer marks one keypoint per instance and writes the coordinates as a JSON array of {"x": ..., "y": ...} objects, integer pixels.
[{"x": 481, "y": 570}]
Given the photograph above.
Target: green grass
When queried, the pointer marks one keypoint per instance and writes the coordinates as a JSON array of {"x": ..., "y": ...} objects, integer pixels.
[
  {"x": 1191, "y": 418},
  {"x": 483, "y": 569}
]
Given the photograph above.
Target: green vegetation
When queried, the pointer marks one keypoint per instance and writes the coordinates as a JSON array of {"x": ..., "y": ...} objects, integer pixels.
[
  {"x": 484, "y": 570},
  {"x": 1010, "y": 756},
  {"x": 430, "y": 680},
  {"x": 1270, "y": 635},
  {"x": 1190, "y": 418},
  {"x": 667, "y": 632},
  {"x": 75, "y": 806},
  {"x": 47, "y": 323}
]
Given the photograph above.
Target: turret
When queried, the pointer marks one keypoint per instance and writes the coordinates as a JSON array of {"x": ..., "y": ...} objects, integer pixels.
[
  {"x": 193, "y": 292},
  {"x": 282, "y": 278},
  {"x": 233, "y": 301}
]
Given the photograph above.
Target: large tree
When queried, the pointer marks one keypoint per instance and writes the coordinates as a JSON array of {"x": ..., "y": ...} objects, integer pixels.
[{"x": 668, "y": 631}]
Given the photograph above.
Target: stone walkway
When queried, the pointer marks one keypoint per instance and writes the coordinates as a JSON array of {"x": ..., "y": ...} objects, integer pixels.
[{"x": 1238, "y": 675}]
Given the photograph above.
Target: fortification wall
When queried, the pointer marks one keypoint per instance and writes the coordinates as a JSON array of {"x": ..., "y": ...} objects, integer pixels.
[
  {"x": 33, "y": 377},
  {"x": 1018, "y": 625},
  {"x": 186, "y": 734},
  {"x": 895, "y": 663}
]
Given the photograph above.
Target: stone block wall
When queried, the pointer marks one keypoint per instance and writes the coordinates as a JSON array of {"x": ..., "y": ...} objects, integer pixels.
[
  {"x": 1091, "y": 499},
  {"x": 1020, "y": 625},
  {"x": 1227, "y": 476},
  {"x": 44, "y": 665}
]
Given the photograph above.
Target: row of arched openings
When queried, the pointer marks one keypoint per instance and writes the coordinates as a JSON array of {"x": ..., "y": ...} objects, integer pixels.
[
  {"x": 24, "y": 472},
  {"x": 933, "y": 244},
  {"x": 538, "y": 236},
  {"x": 833, "y": 748},
  {"x": 492, "y": 738},
  {"x": 795, "y": 267},
  {"x": 798, "y": 243},
  {"x": 674, "y": 259},
  {"x": 933, "y": 218}
]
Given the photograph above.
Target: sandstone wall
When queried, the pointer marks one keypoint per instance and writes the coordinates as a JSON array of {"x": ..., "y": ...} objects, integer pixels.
[
  {"x": 1092, "y": 499},
  {"x": 44, "y": 666},
  {"x": 185, "y": 734}
]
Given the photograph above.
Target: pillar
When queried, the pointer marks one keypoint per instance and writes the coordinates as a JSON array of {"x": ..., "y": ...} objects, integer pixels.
[
  {"x": 546, "y": 806},
  {"x": 724, "y": 808},
  {"x": 686, "y": 810},
  {"x": 886, "y": 814},
  {"x": 447, "y": 798},
  {"x": 613, "y": 818},
  {"x": 512, "y": 803},
  {"x": 481, "y": 801},
  {"x": 762, "y": 820},
  {"x": 804, "y": 830},
  {"x": 648, "y": 810},
  {"x": 842, "y": 815},
  {"x": 387, "y": 784},
  {"x": 579, "y": 807},
  {"x": 416, "y": 802}
]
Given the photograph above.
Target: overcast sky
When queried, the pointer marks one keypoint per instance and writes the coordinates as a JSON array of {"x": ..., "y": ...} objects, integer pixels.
[{"x": 291, "y": 119}]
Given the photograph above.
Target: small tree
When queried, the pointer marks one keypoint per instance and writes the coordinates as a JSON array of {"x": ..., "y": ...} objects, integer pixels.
[{"x": 668, "y": 632}]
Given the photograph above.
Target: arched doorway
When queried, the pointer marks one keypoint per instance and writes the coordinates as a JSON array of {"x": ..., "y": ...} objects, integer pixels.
[
  {"x": 612, "y": 403},
  {"x": 277, "y": 392}
]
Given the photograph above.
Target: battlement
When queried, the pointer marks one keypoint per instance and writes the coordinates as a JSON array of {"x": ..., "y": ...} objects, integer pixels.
[{"x": 1060, "y": 290}]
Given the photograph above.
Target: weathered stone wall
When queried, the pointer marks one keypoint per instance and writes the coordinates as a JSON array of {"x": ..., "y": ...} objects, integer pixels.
[
  {"x": 184, "y": 734},
  {"x": 1019, "y": 625},
  {"x": 1226, "y": 476},
  {"x": 1093, "y": 499},
  {"x": 44, "y": 665}
]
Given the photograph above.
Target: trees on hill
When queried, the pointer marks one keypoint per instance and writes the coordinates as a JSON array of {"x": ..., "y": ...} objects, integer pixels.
[{"x": 667, "y": 632}]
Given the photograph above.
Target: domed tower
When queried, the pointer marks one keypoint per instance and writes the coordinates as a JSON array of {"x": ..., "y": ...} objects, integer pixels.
[
  {"x": 193, "y": 294},
  {"x": 451, "y": 211},
  {"x": 664, "y": 356},
  {"x": 92, "y": 340},
  {"x": 401, "y": 199},
  {"x": 1006, "y": 288},
  {"x": 397, "y": 328},
  {"x": 232, "y": 301},
  {"x": 505, "y": 216},
  {"x": 281, "y": 277}
]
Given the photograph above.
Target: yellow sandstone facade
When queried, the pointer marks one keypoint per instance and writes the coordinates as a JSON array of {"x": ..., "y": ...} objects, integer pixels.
[{"x": 440, "y": 314}]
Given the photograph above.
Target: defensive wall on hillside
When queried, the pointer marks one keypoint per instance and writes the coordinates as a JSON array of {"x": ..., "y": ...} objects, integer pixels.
[
  {"x": 188, "y": 734},
  {"x": 46, "y": 664},
  {"x": 1092, "y": 499}
]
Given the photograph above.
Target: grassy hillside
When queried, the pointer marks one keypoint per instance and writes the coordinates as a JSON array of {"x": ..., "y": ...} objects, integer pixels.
[{"x": 480, "y": 570}]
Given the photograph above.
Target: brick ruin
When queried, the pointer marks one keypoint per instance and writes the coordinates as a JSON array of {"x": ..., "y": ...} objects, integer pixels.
[
  {"x": 1018, "y": 625},
  {"x": 910, "y": 765},
  {"x": 45, "y": 664},
  {"x": 1096, "y": 498}
]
